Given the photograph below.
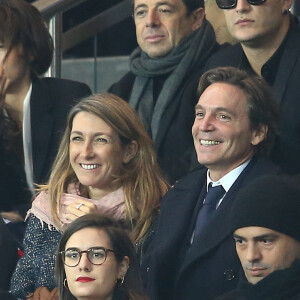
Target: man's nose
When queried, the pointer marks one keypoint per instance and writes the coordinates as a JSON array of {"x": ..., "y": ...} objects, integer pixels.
[
  {"x": 253, "y": 253},
  {"x": 206, "y": 123},
  {"x": 152, "y": 19},
  {"x": 242, "y": 6}
]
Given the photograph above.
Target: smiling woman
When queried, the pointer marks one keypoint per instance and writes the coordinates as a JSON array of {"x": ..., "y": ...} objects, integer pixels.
[
  {"x": 96, "y": 154},
  {"x": 105, "y": 164}
]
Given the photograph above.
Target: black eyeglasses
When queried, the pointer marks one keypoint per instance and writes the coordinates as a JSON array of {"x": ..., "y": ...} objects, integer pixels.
[
  {"x": 227, "y": 4},
  {"x": 96, "y": 256}
]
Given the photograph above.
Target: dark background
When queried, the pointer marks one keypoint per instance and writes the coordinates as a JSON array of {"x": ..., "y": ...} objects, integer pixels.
[{"x": 117, "y": 40}]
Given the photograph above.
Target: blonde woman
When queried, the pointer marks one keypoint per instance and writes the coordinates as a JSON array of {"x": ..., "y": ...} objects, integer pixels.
[{"x": 105, "y": 164}]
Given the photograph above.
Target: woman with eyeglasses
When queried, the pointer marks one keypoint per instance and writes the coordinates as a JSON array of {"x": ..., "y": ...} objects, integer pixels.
[
  {"x": 105, "y": 164},
  {"x": 96, "y": 260}
]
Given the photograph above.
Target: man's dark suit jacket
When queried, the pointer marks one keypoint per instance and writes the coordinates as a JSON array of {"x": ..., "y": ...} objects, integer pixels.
[
  {"x": 50, "y": 102},
  {"x": 210, "y": 266},
  {"x": 174, "y": 143},
  {"x": 287, "y": 92},
  {"x": 8, "y": 255}
]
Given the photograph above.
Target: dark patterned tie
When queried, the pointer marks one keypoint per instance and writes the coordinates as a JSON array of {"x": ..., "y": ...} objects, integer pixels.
[{"x": 212, "y": 198}]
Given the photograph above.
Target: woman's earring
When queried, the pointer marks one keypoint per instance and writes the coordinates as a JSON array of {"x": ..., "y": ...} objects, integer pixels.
[
  {"x": 65, "y": 283},
  {"x": 121, "y": 279}
]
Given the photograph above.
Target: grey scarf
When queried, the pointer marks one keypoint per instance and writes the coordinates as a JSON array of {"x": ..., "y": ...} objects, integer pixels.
[{"x": 183, "y": 60}]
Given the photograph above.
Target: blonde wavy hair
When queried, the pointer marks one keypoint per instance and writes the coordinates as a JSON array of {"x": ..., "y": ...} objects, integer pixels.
[{"x": 141, "y": 178}]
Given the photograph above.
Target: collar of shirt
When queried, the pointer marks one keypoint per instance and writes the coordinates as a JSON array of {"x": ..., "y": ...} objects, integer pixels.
[
  {"x": 227, "y": 180},
  {"x": 270, "y": 68},
  {"x": 27, "y": 141}
]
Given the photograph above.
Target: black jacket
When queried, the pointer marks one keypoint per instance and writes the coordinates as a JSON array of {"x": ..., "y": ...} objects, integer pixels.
[
  {"x": 50, "y": 102},
  {"x": 287, "y": 92},
  {"x": 174, "y": 143},
  {"x": 279, "y": 285},
  {"x": 8, "y": 255},
  {"x": 210, "y": 267}
]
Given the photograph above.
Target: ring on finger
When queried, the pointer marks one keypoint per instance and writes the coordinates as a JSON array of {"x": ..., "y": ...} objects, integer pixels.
[{"x": 79, "y": 205}]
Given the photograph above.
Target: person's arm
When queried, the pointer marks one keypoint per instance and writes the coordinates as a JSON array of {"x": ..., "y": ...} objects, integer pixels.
[
  {"x": 12, "y": 216},
  {"x": 8, "y": 255},
  {"x": 36, "y": 267},
  {"x": 22, "y": 282}
]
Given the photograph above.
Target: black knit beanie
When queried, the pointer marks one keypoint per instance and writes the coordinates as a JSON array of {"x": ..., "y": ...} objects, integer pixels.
[{"x": 272, "y": 202}]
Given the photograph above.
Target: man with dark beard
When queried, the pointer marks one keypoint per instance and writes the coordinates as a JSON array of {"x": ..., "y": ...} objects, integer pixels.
[{"x": 265, "y": 224}]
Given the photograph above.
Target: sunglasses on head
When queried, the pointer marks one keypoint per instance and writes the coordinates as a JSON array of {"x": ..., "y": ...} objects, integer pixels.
[{"x": 227, "y": 4}]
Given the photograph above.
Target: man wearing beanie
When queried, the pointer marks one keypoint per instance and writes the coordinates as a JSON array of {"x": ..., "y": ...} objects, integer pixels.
[{"x": 265, "y": 222}]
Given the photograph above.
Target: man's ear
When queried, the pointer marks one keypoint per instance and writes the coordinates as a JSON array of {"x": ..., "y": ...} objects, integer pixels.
[
  {"x": 130, "y": 151},
  {"x": 259, "y": 134},
  {"x": 198, "y": 17}
]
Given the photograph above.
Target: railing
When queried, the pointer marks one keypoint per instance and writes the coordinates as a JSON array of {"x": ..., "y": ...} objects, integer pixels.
[{"x": 52, "y": 10}]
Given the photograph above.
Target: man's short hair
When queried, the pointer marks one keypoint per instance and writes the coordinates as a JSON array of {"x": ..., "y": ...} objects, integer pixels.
[
  {"x": 261, "y": 105},
  {"x": 190, "y": 5}
]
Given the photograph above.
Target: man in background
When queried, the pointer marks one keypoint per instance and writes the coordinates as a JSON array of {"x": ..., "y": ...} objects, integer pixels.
[
  {"x": 269, "y": 46},
  {"x": 175, "y": 42},
  {"x": 265, "y": 224}
]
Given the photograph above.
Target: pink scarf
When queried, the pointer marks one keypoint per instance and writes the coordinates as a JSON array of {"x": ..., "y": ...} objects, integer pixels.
[{"x": 112, "y": 204}]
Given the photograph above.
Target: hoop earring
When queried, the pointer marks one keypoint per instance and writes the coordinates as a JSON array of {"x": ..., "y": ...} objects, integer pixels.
[
  {"x": 65, "y": 281},
  {"x": 122, "y": 279}
]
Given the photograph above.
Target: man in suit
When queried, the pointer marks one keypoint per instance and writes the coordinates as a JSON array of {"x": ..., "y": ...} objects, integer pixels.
[
  {"x": 234, "y": 128},
  {"x": 265, "y": 224},
  {"x": 269, "y": 46},
  {"x": 174, "y": 41}
]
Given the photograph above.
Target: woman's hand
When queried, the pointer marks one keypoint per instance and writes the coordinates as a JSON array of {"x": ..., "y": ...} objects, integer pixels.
[
  {"x": 78, "y": 208},
  {"x": 12, "y": 216}
]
